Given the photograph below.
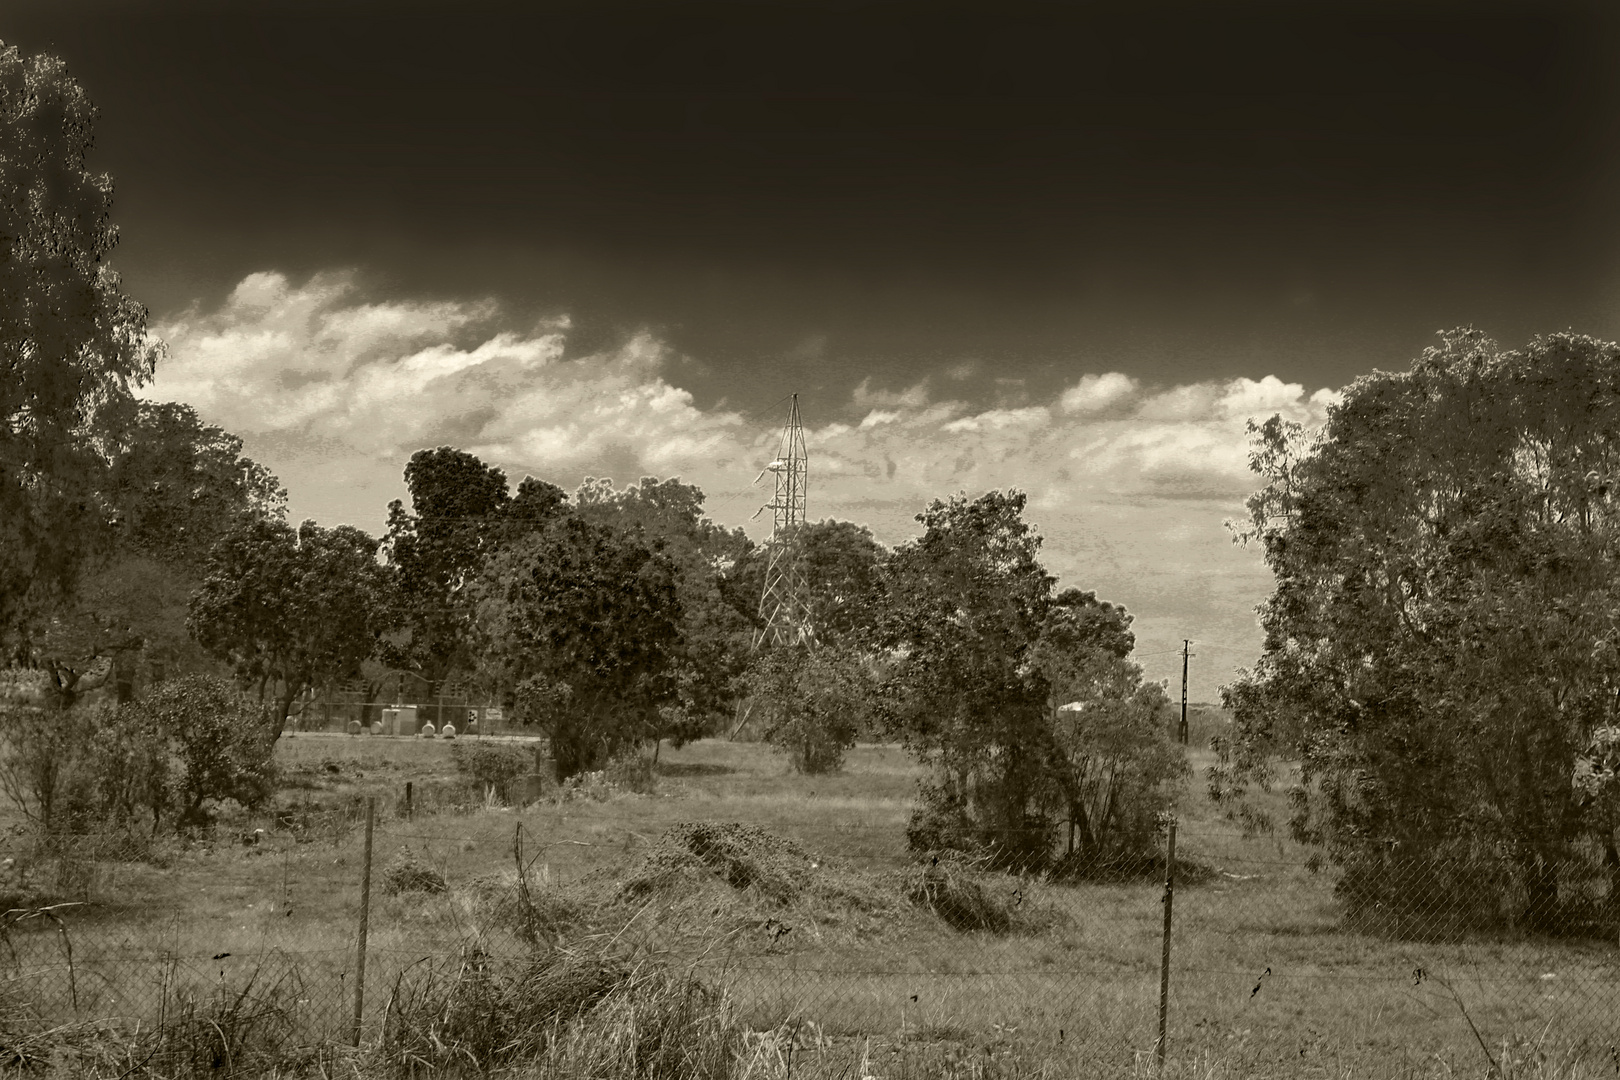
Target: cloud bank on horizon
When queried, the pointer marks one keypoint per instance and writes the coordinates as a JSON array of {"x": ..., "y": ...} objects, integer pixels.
[{"x": 1128, "y": 482}]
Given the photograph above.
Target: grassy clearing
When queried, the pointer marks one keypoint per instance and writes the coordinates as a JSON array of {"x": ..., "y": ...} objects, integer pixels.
[{"x": 830, "y": 964}]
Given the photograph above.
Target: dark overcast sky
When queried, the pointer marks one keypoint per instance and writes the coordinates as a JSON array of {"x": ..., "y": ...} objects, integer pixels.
[{"x": 809, "y": 194}]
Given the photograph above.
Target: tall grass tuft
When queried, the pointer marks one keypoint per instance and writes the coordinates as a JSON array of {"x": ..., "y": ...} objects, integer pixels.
[
  {"x": 564, "y": 1013},
  {"x": 254, "y": 1027}
]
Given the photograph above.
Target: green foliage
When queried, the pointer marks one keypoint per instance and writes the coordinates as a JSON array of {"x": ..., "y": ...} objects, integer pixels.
[
  {"x": 131, "y": 765},
  {"x": 292, "y": 610},
  {"x": 981, "y": 656},
  {"x": 841, "y": 562},
  {"x": 174, "y": 487},
  {"x": 1442, "y": 642},
  {"x": 812, "y": 702},
  {"x": 72, "y": 345},
  {"x": 186, "y": 742},
  {"x": 1112, "y": 761},
  {"x": 219, "y": 741},
  {"x": 585, "y": 622},
  {"x": 178, "y": 484},
  {"x": 459, "y": 509},
  {"x": 41, "y": 748},
  {"x": 90, "y": 768},
  {"x": 491, "y": 766},
  {"x": 715, "y": 635}
]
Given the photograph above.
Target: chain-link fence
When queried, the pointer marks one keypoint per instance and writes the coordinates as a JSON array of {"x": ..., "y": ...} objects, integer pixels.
[{"x": 1255, "y": 953}]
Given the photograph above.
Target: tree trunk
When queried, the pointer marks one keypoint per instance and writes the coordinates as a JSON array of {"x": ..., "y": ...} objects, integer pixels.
[
  {"x": 283, "y": 707},
  {"x": 1541, "y": 895}
]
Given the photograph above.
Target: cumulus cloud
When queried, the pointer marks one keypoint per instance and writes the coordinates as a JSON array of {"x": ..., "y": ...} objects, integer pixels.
[
  {"x": 1094, "y": 393},
  {"x": 316, "y": 366}
]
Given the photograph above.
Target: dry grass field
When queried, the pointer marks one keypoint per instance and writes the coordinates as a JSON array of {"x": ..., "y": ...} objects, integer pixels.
[{"x": 809, "y": 923}]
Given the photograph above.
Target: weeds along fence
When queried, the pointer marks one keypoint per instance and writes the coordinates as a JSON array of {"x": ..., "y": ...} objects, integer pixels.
[{"x": 1251, "y": 955}]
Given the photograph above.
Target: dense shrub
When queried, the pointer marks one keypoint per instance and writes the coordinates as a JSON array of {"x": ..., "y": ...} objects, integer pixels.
[
  {"x": 1451, "y": 892},
  {"x": 219, "y": 738},
  {"x": 185, "y": 743},
  {"x": 944, "y": 821},
  {"x": 489, "y": 766},
  {"x": 950, "y": 890},
  {"x": 43, "y": 751},
  {"x": 812, "y": 703}
]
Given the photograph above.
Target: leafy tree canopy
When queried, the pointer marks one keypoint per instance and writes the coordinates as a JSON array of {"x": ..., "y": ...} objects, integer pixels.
[
  {"x": 585, "y": 621},
  {"x": 178, "y": 484},
  {"x": 1442, "y": 642},
  {"x": 290, "y": 610},
  {"x": 457, "y": 517},
  {"x": 841, "y": 562},
  {"x": 981, "y": 654},
  {"x": 173, "y": 488},
  {"x": 813, "y": 701},
  {"x": 72, "y": 345},
  {"x": 667, "y": 516}
]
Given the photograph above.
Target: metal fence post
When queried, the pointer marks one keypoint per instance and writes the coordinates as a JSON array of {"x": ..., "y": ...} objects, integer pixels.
[
  {"x": 365, "y": 918},
  {"x": 1164, "y": 960},
  {"x": 407, "y": 800}
]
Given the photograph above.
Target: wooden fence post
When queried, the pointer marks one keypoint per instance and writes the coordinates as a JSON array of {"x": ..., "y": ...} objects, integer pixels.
[
  {"x": 365, "y": 918},
  {"x": 1164, "y": 960}
]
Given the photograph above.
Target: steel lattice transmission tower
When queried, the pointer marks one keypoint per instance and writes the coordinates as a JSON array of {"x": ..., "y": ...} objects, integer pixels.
[{"x": 784, "y": 607}]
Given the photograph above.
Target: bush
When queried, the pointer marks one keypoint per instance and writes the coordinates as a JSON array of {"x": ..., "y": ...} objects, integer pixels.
[
  {"x": 43, "y": 750},
  {"x": 222, "y": 740},
  {"x": 488, "y": 766},
  {"x": 812, "y": 701},
  {"x": 91, "y": 768},
  {"x": 407, "y": 872},
  {"x": 943, "y": 822},
  {"x": 1446, "y": 894},
  {"x": 948, "y": 889},
  {"x": 631, "y": 770}
]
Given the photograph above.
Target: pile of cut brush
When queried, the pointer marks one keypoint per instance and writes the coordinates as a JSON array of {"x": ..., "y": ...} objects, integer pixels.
[
  {"x": 726, "y": 872},
  {"x": 704, "y": 883},
  {"x": 968, "y": 897}
]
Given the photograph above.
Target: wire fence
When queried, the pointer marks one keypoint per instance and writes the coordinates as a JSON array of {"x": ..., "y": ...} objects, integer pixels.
[{"x": 1247, "y": 951}]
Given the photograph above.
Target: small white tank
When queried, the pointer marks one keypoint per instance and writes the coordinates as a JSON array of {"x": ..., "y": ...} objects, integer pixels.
[
  {"x": 428, "y": 730},
  {"x": 448, "y": 731}
]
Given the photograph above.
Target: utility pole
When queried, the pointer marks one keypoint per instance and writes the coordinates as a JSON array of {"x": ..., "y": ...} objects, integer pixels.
[{"x": 1186, "y": 653}]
